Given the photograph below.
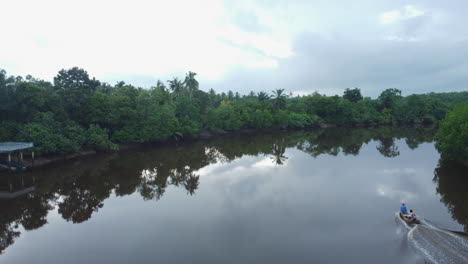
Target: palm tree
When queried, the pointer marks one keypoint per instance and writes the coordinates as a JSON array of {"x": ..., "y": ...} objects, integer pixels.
[
  {"x": 279, "y": 99},
  {"x": 262, "y": 96},
  {"x": 176, "y": 86},
  {"x": 178, "y": 177},
  {"x": 160, "y": 86},
  {"x": 190, "y": 82},
  {"x": 191, "y": 184},
  {"x": 278, "y": 156}
]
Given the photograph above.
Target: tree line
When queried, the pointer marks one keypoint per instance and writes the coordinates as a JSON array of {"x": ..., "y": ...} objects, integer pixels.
[{"x": 76, "y": 111}]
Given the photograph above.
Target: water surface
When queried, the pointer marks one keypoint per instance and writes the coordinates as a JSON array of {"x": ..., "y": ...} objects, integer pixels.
[{"x": 287, "y": 197}]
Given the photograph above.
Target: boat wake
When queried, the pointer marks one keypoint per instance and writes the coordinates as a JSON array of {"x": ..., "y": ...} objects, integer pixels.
[{"x": 437, "y": 245}]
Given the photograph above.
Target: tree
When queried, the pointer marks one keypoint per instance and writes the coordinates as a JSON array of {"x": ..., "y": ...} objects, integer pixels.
[
  {"x": 262, "y": 96},
  {"x": 29, "y": 99},
  {"x": 227, "y": 117},
  {"x": 98, "y": 138},
  {"x": 191, "y": 83},
  {"x": 452, "y": 136},
  {"x": 75, "y": 88},
  {"x": 262, "y": 119},
  {"x": 160, "y": 86},
  {"x": 176, "y": 86},
  {"x": 279, "y": 99},
  {"x": 389, "y": 97},
  {"x": 75, "y": 79},
  {"x": 7, "y": 102},
  {"x": 353, "y": 95}
]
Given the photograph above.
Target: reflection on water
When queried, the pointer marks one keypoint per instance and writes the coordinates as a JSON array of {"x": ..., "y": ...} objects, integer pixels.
[
  {"x": 79, "y": 188},
  {"x": 452, "y": 184}
]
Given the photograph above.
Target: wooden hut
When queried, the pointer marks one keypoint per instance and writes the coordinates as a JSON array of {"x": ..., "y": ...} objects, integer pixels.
[{"x": 12, "y": 154}]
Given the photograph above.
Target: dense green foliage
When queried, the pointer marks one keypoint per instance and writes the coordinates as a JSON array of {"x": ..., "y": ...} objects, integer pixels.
[
  {"x": 452, "y": 137},
  {"x": 76, "y": 111}
]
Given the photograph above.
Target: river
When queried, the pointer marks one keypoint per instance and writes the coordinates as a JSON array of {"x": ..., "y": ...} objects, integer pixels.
[{"x": 320, "y": 196}]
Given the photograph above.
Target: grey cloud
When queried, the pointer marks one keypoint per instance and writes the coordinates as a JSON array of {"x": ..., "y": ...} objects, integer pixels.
[
  {"x": 416, "y": 24},
  {"x": 361, "y": 57},
  {"x": 355, "y": 53},
  {"x": 248, "y": 21},
  {"x": 330, "y": 66}
]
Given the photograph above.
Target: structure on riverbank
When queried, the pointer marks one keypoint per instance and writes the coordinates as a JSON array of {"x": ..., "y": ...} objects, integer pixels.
[{"x": 11, "y": 154}]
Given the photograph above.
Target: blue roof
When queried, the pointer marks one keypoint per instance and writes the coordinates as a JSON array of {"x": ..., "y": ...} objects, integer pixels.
[{"x": 12, "y": 146}]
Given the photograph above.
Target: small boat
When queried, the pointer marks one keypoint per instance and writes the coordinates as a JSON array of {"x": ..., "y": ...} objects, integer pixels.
[{"x": 409, "y": 221}]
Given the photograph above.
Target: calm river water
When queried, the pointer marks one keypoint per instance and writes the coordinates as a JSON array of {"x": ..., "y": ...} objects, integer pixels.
[{"x": 321, "y": 196}]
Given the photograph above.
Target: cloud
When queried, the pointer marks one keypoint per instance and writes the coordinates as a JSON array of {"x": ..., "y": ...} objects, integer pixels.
[
  {"x": 407, "y": 24},
  {"x": 244, "y": 45},
  {"x": 139, "y": 37},
  {"x": 405, "y": 13},
  {"x": 328, "y": 66},
  {"x": 390, "y": 17}
]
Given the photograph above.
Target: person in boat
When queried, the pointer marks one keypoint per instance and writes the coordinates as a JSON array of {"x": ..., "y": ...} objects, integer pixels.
[
  {"x": 403, "y": 209},
  {"x": 411, "y": 215}
]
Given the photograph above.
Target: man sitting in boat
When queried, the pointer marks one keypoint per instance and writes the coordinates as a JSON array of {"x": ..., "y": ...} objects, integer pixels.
[
  {"x": 403, "y": 209},
  {"x": 411, "y": 215}
]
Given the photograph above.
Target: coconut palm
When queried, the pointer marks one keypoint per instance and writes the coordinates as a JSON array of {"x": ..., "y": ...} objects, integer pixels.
[
  {"x": 279, "y": 99},
  {"x": 278, "y": 151},
  {"x": 160, "y": 86},
  {"x": 190, "y": 82},
  {"x": 262, "y": 96},
  {"x": 191, "y": 184},
  {"x": 176, "y": 86}
]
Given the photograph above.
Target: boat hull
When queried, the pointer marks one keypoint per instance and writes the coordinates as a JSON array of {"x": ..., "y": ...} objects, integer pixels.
[{"x": 409, "y": 221}]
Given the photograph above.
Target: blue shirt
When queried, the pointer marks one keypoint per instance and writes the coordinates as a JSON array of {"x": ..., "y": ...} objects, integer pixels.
[{"x": 403, "y": 209}]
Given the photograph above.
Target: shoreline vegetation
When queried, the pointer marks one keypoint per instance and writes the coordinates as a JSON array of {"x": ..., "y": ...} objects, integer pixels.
[
  {"x": 77, "y": 114},
  {"x": 452, "y": 136},
  {"x": 50, "y": 159}
]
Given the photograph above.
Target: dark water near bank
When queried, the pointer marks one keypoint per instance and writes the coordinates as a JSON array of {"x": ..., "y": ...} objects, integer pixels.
[{"x": 324, "y": 196}]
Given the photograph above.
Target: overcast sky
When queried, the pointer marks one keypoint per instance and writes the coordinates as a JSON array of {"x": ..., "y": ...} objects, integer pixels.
[{"x": 301, "y": 46}]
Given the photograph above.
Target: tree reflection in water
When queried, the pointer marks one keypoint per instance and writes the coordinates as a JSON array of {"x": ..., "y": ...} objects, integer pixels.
[
  {"x": 29, "y": 211},
  {"x": 278, "y": 156},
  {"x": 452, "y": 181},
  {"x": 79, "y": 188},
  {"x": 191, "y": 184}
]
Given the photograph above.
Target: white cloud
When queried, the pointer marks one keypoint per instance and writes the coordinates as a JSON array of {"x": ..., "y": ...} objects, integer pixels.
[
  {"x": 392, "y": 193},
  {"x": 399, "y": 171},
  {"x": 401, "y": 39},
  {"x": 412, "y": 11},
  {"x": 153, "y": 38},
  {"x": 405, "y": 25},
  {"x": 242, "y": 45},
  {"x": 265, "y": 163},
  {"x": 407, "y": 12},
  {"x": 390, "y": 17},
  {"x": 261, "y": 42}
]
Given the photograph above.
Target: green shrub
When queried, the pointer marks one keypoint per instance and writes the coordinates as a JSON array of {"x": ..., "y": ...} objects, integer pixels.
[
  {"x": 98, "y": 138},
  {"x": 452, "y": 136},
  {"x": 296, "y": 120}
]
